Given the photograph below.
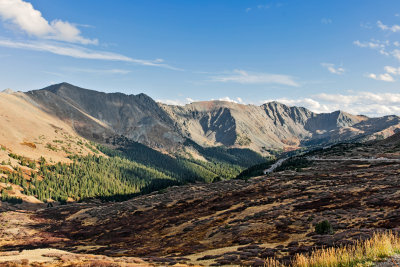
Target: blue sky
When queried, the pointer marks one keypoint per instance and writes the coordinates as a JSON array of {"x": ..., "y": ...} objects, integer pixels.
[{"x": 324, "y": 55}]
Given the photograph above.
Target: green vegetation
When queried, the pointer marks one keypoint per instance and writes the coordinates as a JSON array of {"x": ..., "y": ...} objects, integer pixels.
[
  {"x": 126, "y": 172},
  {"x": 10, "y": 199},
  {"x": 92, "y": 148},
  {"x": 23, "y": 161},
  {"x": 243, "y": 140},
  {"x": 51, "y": 147},
  {"x": 255, "y": 170},
  {"x": 294, "y": 163},
  {"x": 324, "y": 228}
]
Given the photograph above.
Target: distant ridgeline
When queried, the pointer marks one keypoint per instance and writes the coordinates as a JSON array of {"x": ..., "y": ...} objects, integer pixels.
[{"x": 126, "y": 172}]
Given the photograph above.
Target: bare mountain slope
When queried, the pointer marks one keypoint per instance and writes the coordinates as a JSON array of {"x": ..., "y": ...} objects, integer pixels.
[
  {"x": 27, "y": 130},
  {"x": 272, "y": 126},
  {"x": 99, "y": 116}
]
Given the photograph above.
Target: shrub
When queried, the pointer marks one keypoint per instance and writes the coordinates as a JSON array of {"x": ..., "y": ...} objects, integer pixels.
[
  {"x": 10, "y": 199},
  {"x": 324, "y": 228}
]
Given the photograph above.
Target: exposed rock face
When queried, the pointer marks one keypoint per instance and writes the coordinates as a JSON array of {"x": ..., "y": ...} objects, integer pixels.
[
  {"x": 99, "y": 116},
  {"x": 271, "y": 126}
]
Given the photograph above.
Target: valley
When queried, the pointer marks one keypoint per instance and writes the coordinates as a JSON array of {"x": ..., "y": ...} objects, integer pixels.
[
  {"x": 94, "y": 178},
  {"x": 239, "y": 222},
  {"x": 154, "y": 133}
]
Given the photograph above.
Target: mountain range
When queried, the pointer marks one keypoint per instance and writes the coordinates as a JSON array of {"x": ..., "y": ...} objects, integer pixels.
[
  {"x": 114, "y": 175},
  {"x": 273, "y": 126}
]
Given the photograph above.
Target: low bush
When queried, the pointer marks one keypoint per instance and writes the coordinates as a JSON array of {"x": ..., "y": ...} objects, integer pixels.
[{"x": 324, "y": 228}]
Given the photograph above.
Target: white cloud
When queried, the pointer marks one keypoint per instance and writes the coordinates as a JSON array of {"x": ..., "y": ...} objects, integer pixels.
[
  {"x": 238, "y": 100},
  {"x": 392, "y": 70},
  {"x": 188, "y": 100},
  {"x": 365, "y": 25},
  {"x": 393, "y": 28},
  {"x": 366, "y": 103},
  {"x": 263, "y": 6},
  {"x": 244, "y": 77},
  {"x": 332, "y": 69},
  {"x": 380, "y": 46},
  {"x": 99, "y": 71},
  {"x": 81, "y": 52},
  {"x": 396, "y": 54},
  {"x": 303, "y": 102},
  {"x": 386, "y": 77},
  {"x": 176, "y": 102},
  {"x": 373, "y": 44},
  {"x": 57, "y": 37},
  {"x": 24, "y": 16}
]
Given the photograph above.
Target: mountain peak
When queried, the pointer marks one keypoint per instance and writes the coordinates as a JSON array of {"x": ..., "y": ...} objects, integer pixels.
[{"x": 8, "y": 91}]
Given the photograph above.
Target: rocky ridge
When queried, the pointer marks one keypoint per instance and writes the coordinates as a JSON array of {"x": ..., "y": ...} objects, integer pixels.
[{"x": 270, "y": 127}]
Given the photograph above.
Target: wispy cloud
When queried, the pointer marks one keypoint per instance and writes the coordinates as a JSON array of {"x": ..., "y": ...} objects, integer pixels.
[
  {"x": 81, "y": 52},
  {"x": 326, "y": 21},
  {"x": 380, "y": 46},
  {"x": 366, "y": 25},
  {"x": 188, "y": 100},
  {"x": 29, "y": 20},
  {"x": 236, "y": 100},
  {"x": 392, "y": 70},
  {"x": 386, "y": 48},
  {"x": 176, "y": 102},
  {"x": 244, "y": 77},
  {"x": 374, "y": 44},
  {"x": 393, "y": 28},
  {"x": 58, "y": 37},
  {"x": 366, "y": 103},
  {"x": 263, "y": 6},
  {"x": 333, "y": 69},
  {"x": 99, "y": 71},
  {"x": 54, "y": 73},
  {"x": 387, "y": 76},
  {"x": 381, "y": 77}
]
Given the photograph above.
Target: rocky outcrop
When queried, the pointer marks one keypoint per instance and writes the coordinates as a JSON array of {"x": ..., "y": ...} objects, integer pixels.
[{"x": 272, "y": 126}]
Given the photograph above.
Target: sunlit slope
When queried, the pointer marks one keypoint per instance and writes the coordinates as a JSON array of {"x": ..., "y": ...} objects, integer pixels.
[{"x": 27, "y": 130}]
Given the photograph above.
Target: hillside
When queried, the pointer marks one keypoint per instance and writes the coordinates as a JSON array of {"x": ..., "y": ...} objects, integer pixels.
[
  {"x": 100, "y": 116},
  {"x": 179, "y": 202},
  {"x": 29, "y": 131},
  {"x": 266, "y": 129},
  {"x": 236, "y": 221},
  {"x": 44, "y": 156},
  {"x": 273, "y": 126}
]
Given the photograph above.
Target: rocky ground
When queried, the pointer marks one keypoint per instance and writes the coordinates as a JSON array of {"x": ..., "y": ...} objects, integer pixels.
[{"x": 231, "y": 222}]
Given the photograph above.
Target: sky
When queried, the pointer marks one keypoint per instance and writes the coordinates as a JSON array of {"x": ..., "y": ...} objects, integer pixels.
[{"x": 323, "y": 55}]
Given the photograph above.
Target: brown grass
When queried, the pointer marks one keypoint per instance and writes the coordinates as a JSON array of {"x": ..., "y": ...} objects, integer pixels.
[
  {"x": 29, "y": 144},
  {"x": 362, "y": 253}
]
